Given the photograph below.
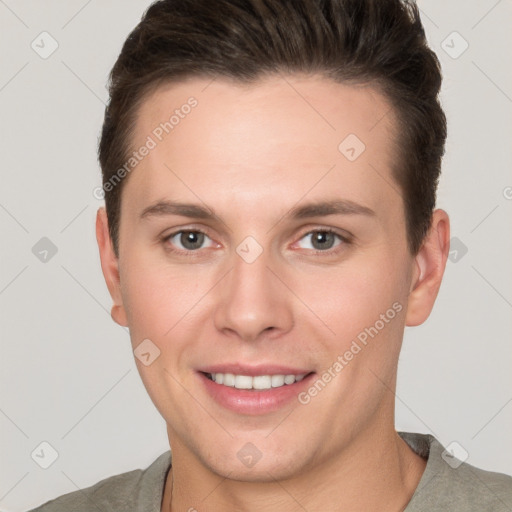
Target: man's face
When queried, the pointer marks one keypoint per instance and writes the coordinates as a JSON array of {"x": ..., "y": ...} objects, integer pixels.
[{"x": 255, "y": 289}]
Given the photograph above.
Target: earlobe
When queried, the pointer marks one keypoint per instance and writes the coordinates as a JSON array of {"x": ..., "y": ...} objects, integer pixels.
[
  {"x": 430, "y": 263},
  {"x": 118, "y": 315},
  {"x": 110, "y": 267}
]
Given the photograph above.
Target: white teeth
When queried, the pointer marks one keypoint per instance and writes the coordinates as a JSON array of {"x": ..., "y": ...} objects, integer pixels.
[
  {"x": 261, "y": 382},
  {"x": 289, "y": 379},
  {"x": 243, "y": 382},
  {"x": 277, "y": 381},
  {"x": 257, "y": 382},
  {"x": 229, "y": 379}
]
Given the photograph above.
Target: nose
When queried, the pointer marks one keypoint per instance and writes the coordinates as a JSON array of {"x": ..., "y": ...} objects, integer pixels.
[{"x": 253, "y": 301}]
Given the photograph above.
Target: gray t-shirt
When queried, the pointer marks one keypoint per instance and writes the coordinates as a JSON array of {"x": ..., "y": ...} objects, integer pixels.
[{"x": 444, "y": 486}]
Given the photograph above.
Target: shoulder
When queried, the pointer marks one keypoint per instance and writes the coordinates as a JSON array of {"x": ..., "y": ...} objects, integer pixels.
[
  {"x": 450, "y": 484},
  {"x": 119, "y": 492},
  {"x": 111, "y": 491},
  {"x": 477, "y": 489}
]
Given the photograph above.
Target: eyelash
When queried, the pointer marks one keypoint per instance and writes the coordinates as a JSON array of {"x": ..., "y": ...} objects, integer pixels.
[{"x": 194, "y": 253}]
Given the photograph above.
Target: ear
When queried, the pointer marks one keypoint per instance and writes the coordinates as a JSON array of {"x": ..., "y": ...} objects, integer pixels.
[
  {"x": 110, "y": 267},
  {"x": 430, "y": 263}
]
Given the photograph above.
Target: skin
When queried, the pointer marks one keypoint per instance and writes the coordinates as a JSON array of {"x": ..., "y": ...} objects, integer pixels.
[{"x": 252, "y": 153}]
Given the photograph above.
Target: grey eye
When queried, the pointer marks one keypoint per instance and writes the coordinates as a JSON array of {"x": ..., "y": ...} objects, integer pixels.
[
  {"x": 321, "y": 240},
  {"x": 189, "y": 240}
]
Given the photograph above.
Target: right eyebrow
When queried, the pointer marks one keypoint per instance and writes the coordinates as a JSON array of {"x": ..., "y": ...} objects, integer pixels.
[{"x": 163, "y": 208}]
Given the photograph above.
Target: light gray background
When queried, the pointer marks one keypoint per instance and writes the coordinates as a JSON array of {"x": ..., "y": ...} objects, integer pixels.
[{"x": 67, "y": 372}]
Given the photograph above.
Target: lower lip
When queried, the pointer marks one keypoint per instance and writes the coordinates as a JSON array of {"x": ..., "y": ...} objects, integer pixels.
[{"x": 254, "y": 402}]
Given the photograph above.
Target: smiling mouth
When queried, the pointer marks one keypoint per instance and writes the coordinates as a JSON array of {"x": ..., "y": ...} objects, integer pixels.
[{"x": 256, "y": 382}]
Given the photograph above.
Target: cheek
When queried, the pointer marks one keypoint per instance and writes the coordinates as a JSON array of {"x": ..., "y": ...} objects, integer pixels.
[
  {"x": 364, "y": 304},
  {"x": 352, "y": 296},
  {"x": 159, "y": 301},
  {"x": 156, "y": 297}
]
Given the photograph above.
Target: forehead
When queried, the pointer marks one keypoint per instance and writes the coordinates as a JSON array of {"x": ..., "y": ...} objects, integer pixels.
[{"x": 281, "y": 135}]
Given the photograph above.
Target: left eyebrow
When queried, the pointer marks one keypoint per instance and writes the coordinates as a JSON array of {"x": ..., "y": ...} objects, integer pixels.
[{"x": 335, "y": 207}]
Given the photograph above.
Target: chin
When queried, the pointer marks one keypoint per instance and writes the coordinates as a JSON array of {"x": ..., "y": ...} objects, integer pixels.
[
  {"x": 242, "y": 461},
  {"x": 262, "y": 472}
]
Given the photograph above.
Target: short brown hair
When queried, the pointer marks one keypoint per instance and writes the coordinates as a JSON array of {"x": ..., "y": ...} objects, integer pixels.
[{"x": 376, "y": 42}]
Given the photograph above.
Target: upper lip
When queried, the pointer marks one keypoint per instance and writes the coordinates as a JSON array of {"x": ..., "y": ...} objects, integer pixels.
[{"x": 254, "y": 370}]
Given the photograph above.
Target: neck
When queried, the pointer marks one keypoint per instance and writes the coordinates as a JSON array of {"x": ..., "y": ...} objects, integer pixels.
[{"x": 377, "y": 471}]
